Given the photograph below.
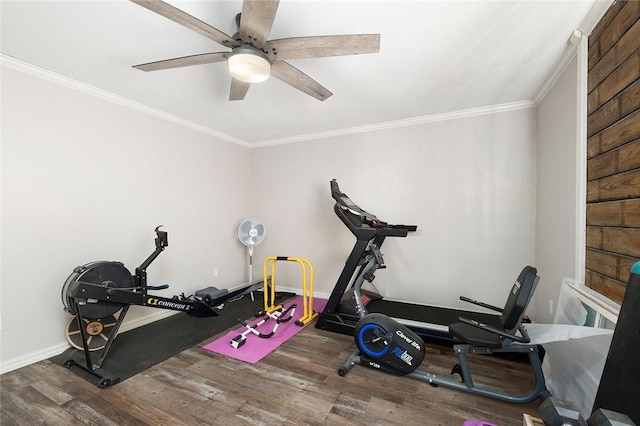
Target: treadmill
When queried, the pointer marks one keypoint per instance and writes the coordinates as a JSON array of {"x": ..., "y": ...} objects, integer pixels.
[{"x": 340, "y": 315}]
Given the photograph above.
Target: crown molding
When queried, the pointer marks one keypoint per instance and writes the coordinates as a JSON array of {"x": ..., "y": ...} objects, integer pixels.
[
  {"x": 25, "y": 67},
  {"x": 567, "y": 56},
  {"x": 585, "y": 29},
  {"x": 594, "y": 16},
  {"x": 473, "y": 112},
  {"x": 44, "y": 74}
]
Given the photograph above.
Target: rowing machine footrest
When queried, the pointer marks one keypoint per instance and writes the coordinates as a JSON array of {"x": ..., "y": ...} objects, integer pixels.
[{"x": 211, "y": 292}]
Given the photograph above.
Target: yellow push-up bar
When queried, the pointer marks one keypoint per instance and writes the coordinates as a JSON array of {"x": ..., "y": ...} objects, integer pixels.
[{"x": 307, "y": 292}]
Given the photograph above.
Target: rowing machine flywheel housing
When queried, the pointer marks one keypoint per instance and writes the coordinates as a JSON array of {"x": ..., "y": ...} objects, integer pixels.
[
  {"x": 103, "y": 273},
  {"x": 97, "y": 315}
]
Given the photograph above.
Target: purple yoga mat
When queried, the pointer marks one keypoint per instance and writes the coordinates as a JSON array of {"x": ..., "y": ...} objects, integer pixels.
[{"x": 255, "y": 348}]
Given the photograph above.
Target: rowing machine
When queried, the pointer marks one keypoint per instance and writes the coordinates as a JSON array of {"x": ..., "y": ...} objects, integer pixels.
[{"x": 94, "y": 292}]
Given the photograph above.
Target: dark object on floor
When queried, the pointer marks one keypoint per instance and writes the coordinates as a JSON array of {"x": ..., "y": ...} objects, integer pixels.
[
  {"x": 557, "y": 412},
  {"x": 619, "y": 386},
  {"x": 604, "y": 417}
]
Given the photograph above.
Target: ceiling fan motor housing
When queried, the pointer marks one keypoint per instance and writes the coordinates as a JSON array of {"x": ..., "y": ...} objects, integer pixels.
[{"x": 249, "y": 64}]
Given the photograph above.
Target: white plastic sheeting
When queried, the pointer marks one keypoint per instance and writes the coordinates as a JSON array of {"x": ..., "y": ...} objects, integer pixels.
[{"x": 575, "y": 354}]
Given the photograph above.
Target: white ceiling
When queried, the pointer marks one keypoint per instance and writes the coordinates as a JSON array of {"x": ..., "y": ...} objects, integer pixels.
[{"x": 435, "y": 57}]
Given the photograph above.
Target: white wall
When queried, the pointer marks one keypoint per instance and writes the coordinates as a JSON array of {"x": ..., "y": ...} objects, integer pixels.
[
  {"x": 556, "y": 207},
  {"x": 84, "y": 179},
  {"x": 469, "y": 184}
]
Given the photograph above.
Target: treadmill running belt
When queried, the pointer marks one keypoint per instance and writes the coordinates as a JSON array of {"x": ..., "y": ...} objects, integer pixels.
[{"x": 429, "y": 314}]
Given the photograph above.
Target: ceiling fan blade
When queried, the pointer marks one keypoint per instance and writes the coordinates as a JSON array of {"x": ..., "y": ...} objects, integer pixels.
[
  {"x": 183, "y": 18},
  {"x": 296, "y": 78},
  {"x": 256, "y": 20},
  {"x": 185, "y": 61},
  {"x": 238, "y": 89},
  {"x": 322, "y": 46}
]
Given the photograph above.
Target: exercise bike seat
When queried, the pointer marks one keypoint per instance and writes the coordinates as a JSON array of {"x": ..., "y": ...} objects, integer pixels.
[{"x": 476, "y": 333}]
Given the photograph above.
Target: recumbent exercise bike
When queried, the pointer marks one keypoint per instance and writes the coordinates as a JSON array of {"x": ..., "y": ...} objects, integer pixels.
[{"x": 385, "y": 344}]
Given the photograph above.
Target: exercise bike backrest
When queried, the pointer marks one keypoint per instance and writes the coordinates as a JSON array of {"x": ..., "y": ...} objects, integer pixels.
[
  {"x": 519, "y": 298},
  {"x": 511, "y": 316}
]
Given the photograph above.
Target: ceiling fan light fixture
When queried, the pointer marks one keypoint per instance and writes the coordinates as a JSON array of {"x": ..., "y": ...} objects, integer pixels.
[{"x": 249, "y": 65}]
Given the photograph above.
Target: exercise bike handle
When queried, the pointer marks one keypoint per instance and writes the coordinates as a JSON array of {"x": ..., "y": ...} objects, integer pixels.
[
  {"x": 524, "y": 339},
  {"x": 484, "y": 305}
]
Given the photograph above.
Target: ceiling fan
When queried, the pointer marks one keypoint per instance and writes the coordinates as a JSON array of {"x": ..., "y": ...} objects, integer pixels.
[{"x": 253, "y": 58}]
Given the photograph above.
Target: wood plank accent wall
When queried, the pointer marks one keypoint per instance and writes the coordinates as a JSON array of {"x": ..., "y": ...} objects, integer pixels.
[{"x": 613, "y": 150}]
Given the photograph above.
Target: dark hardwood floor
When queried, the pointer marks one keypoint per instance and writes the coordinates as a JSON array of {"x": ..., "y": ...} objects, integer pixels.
[{"x": 297, "y": 384}]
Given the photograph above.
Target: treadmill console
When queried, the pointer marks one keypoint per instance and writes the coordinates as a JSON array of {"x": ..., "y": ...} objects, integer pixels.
[
  {"x": 360, "y": 222},
  {"x": 345, "y": 203}
]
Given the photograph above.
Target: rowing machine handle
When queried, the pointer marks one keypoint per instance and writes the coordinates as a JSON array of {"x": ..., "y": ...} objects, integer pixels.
[{"x": 162, "y": 237}]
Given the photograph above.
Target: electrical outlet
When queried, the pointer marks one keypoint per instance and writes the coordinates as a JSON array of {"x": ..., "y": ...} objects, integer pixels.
[
  {"x": 215, "y": 272},
  {"x": 551, "y": 307}
]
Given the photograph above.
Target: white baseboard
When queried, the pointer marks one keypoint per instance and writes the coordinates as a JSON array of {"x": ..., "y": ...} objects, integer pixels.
[
  {"x": 46, "y": 353},
  {"x": 32, "y": 358}
]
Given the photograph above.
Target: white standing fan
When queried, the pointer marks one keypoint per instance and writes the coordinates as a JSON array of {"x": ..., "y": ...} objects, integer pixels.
[{"x": 251, "y": 232}]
